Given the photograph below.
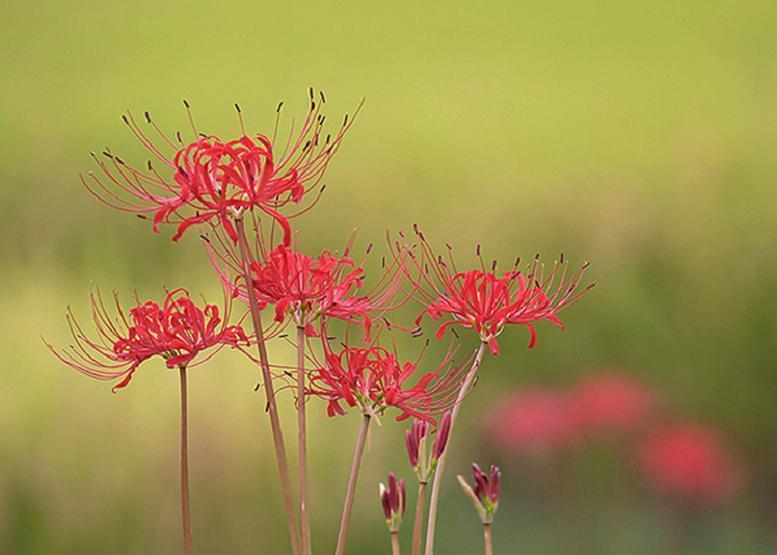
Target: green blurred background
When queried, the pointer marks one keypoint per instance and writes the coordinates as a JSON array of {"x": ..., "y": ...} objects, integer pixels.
[{"x": 640, "y": 136}]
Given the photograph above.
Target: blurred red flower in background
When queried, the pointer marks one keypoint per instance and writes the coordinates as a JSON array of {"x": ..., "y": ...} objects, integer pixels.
[
  {"x": 689, "y": 462},
  {"x": 612, "y": 403},
  {"x": 534, "y": 422}
]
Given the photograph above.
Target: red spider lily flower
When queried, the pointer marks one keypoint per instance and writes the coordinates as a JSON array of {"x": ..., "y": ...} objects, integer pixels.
[
  {"x": 485, "y": 494},
  {"x": 393, "y": 500},
  {"x": 373, "y": 379},
  {"x": 612, "y": 403},
  {"x": 689, "y": 462},
  {"x": 424, "y": 464},
  {"x": 178, "y": 331},
  {"x": 535, "y": 422},
  {"x": 483, "y": 301},
  {"x": 306, "y": 288},
  {"x": 215, "y": 180}
]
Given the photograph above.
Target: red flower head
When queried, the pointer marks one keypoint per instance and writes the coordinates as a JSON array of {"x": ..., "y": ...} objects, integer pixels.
[
  {"x": 689, "y": 462},
  {"x": 373, "y": 379},
  {"x": 535, "y": 422},
  {"x": 213, "y": 180},
  {"x": 484, "y": 301},
  {"x": 178, "y": 331},
  {"x": 305, "y": 288},
  {"x": 612, "y": 403}
]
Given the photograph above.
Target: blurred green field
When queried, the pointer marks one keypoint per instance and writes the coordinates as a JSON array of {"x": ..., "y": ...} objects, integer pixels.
[{"x": 639, "y": 136}]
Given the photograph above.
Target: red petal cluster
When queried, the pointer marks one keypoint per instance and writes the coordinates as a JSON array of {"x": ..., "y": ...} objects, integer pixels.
[
  {"x": 213, "y": 180},
  {"x": 178, "y": 331},
  {"x": 372, "y": 379},
  {"x": 483, "y": 301},
  {"x": 308, "y": 287}
]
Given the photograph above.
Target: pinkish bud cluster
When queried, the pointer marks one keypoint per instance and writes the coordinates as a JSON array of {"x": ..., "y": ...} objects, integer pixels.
[
  {"x": 425, "y": 463},
  {"x": 485, "y": 494},
  {"x": 393, "y": 499}
]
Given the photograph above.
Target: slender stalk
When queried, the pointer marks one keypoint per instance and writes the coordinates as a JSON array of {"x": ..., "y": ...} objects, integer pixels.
[
  {"x": 418, "y": 523},
  {"x": 302, "y": 445},
  {"x": 435, "y": 497},
  {"x": 185, "y": 514},
  {"x": 395, "y": 543},
  {"x": 272, "y": 409},
  {"x": 355, "y": 466},
  {"x": 487, "y": 539}
]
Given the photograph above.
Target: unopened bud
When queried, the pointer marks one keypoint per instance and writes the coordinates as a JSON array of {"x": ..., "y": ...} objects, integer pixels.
[
  {"x": 393, "y": 500},
  {"x": 485, "y": 494}
]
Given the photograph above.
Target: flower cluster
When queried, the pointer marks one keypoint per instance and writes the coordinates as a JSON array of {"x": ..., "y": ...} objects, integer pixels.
[
  {"x": 177, "y": 330},
  {"x": 245, "y": 191},
  {"x": 683, "y": 461}
]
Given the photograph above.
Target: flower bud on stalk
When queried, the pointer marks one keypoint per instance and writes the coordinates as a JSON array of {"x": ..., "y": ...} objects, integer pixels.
[
  {"x": 485, "y": 494},
  {"x": 393, "y": 498}
]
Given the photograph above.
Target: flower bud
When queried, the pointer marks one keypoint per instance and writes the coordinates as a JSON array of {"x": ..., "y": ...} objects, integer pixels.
[
  {"x": 485, "y": 494},
  {"x": 413, "y": 437},
  {"x": 441, "y": 441},
  {"x": 393, "y": 499}
]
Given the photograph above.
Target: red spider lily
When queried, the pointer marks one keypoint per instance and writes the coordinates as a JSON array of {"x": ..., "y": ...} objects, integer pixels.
[
  {"x": 689, "y": 462},
  {"x": 393, "y": 500},
  {"x": 373, "y": 379},
  {"x": 612, "y": 403},
  {"x": 483, "y": 301},
  {"x": 215, "y": 180},
  {"x": 307, "y": 287},
  {"x": 178, "y": 331}
]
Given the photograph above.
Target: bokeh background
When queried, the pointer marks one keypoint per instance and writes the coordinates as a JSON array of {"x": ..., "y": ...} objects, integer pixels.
[{"x": 639, "y": 136}]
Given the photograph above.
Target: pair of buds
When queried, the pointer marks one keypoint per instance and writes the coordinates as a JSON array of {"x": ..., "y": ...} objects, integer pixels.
[{"x": 424, "y": 463}]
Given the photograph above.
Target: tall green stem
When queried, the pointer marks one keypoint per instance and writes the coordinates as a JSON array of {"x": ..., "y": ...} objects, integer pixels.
[
  {"x": 487, "y": 539},
  {"x": 418, "y": 522},
  {"x": 269, "y": 390},
  {"x": 185, "y": 514},
  {"x": 355, "y": 466},
  {"x": 302, "y": 445},
  {"x": 435, "y": 497},
  {"x": 395, "y": 543}
]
